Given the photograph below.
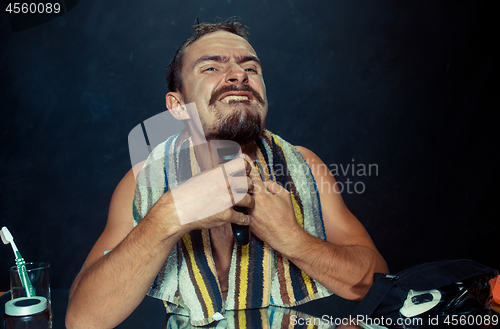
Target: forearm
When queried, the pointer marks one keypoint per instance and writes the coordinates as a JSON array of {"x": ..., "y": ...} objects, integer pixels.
[
  {"x": 107, "y": 291},
  {"x": 345, "y": 270}
]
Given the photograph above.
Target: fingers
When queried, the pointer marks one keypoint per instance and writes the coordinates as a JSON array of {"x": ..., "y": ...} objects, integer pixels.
[
  {"x": 240, "y": 188},
  {"x": 236, "y": 167},
  {"x": 249, "y": 185},
  {"x": 238, "y": 182},
  {"x": 253, "y": 183},
  {"x": 254, "y": 174},
  {"x": 247, "y": 201},
  {"x": 241, "y": 219},
  {"x": 275, "y": 188}
]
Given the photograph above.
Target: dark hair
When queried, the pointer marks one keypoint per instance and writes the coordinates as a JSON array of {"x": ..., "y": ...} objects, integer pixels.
[{"x": 174, "y": 70}]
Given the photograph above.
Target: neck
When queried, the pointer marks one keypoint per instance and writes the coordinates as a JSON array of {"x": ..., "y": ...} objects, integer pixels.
[{"x": 250, "y": 149}]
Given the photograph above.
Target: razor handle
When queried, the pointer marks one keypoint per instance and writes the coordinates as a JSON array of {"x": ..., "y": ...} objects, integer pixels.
[{"x": 241, "y": 233}]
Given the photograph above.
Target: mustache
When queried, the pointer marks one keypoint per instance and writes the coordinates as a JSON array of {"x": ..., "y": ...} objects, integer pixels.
[{"x": 218, "y": 92}]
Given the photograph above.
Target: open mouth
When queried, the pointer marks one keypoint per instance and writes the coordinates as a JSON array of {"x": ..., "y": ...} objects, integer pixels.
[
  {"x": 231, "y": 94},
  {"x": 233, "y": 99}
]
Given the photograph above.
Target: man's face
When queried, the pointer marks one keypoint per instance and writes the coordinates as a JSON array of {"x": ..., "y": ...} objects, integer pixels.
[{"x": 223, "y": 76}]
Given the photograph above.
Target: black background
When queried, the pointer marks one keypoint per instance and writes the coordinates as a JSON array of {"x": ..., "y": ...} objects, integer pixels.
[{"x": 406, "y": 85}]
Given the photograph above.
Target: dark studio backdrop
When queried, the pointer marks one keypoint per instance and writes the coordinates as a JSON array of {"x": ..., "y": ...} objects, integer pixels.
[{"x": 407, "y": 87}]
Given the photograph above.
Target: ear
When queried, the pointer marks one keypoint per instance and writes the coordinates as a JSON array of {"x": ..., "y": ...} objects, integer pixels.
[{"x": 176, "y": 106}]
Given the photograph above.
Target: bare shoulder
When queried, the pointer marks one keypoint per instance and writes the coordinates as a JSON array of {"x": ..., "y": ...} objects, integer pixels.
[
  {"x": 324, "y": 179},
  {"x": 120, "y": 218},
  {"x": 310, "y": 157},
  {"x": 304, "y": 151},
  {"x": 319, "y": 169},
  {"x": 341, "y": 226}
]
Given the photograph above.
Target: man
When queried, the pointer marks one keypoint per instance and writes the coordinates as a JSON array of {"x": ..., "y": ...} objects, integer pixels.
[{"x": 219, "y": 71}]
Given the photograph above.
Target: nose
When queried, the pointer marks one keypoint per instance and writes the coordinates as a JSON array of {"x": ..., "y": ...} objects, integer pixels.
[{"x": 236, "y": 75}]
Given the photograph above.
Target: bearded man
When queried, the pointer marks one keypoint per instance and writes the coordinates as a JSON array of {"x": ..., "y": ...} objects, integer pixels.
[{"x": 305, "y": 243}]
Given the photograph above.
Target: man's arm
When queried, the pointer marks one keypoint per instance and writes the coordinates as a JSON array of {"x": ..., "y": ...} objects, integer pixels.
[
  {"x": 346, "y": 262},
  {"x": 110, "y": 287}
]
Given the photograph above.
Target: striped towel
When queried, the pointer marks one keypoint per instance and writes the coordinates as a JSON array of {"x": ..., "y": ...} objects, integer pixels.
[{"x": 258, "y": 276}]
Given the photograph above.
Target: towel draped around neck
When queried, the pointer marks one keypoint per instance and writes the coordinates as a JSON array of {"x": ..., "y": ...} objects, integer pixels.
[{"x": 258, "y": 276}]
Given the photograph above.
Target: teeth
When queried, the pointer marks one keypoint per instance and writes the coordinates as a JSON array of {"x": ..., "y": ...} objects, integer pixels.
[{"x": 227, "y": 99}]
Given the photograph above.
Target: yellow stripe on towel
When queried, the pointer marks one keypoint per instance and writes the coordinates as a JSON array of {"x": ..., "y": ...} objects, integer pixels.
[
  {"x": 288, "y": 280},
  {"x": 208, "y": 254},
  {"x": 297, "y": 212},
  {"x": 242, "y": 297},
  {"x": 197, "y": 274},
  {"x": 266, "y": 265},
  {"x": 307, "y": 281},
  {"x": 242, "y": 319}
]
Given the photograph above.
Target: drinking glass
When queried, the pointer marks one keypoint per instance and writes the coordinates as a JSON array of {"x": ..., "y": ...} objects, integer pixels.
[{"x": 38, "y": 273}]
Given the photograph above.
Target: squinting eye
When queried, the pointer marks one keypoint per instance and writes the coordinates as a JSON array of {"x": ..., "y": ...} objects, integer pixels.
[
  {"x": 210, "y": 69},
  {"x": 251, "y": 70}
]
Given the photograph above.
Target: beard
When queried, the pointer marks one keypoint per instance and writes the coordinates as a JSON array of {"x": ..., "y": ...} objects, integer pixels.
[{"x": 241, "y": 127}]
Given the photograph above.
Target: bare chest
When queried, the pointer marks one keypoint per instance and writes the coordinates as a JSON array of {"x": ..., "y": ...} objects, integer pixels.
[{"x": 221, "y": 239}]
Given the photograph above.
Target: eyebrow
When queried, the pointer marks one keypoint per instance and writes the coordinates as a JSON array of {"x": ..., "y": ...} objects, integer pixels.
[
  {"x": 224, "y": 59},
  {"x": 248, "y": 58}
]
